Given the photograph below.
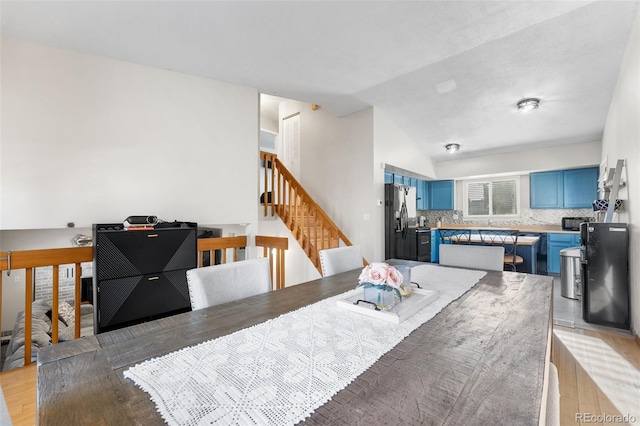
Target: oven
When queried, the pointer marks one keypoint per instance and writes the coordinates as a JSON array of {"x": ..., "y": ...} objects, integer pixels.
[{"x": 423, "y": 243}]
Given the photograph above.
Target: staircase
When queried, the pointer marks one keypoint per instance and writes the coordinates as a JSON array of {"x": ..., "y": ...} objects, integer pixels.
[{"x": 310, "y": 225}]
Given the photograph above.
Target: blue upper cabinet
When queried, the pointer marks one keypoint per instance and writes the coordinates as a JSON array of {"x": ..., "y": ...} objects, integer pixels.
[
  {"x": 421, "y": 193},
  {"x": 580, "y": 187},
  {"x": 440, "y": 195},
  {"x": 559, "y": 189},
  {"x": 546, "y": 190},
  {"x": 431, "y": 195},
  {"x": 388, "y": 177}
]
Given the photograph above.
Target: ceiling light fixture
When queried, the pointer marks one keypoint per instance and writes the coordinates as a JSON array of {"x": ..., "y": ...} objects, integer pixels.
[
  {"x": 452, "y": 147},
  {"x": 528, "y": 104}
]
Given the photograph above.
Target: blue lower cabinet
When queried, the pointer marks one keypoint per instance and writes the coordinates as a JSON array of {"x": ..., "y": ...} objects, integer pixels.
[
  {"x": 435, "y": 246},
  {"x": 555, "y": 243}
]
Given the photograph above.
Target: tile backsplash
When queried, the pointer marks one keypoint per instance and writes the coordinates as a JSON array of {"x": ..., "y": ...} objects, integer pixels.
[{"x": 527, "y": 217}]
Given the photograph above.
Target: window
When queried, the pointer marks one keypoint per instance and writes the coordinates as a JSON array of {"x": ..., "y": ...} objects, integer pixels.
[{"x": 492, "y": 197}]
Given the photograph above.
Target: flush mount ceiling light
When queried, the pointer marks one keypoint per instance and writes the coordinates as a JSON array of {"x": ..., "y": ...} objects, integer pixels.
[
  {"x": 452, "y": 147},
  {"x": 528, "y": 104}
]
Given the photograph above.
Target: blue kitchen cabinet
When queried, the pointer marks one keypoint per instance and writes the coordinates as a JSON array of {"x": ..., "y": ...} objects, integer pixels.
[
  {"x": 435, "y": 245},
  {"x": 431, "y": 195},
  {"x": 570, "y": 189},
  {"x": 555, "y": 243},
  {"x": 580, "y": 187},
  {"x": 546, "y": 190},
  {"x": 440, "y": 195},
  {"x": 421, "y": 194}
]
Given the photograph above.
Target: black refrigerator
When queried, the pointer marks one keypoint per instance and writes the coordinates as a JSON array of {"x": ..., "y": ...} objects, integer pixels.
[
  {"x": 400, "y": 222},
  {"x": 605, "y": 273}
]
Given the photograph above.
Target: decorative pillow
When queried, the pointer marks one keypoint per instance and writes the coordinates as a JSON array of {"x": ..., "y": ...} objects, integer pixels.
[
  {"x": 49, "y": 313},
  {"x": 67, "y": 313},
  {"x": 66, "y": 328}
]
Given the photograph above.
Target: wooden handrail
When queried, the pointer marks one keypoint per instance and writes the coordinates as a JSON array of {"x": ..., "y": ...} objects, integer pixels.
[
  {"x": 311, "y": 226},
  {"x": 221, "y": 243},
  {"x": 30, "y": 259}
]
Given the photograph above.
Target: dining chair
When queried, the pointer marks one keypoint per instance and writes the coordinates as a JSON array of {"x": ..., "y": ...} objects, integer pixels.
[
  {"x": 553, "y": 398},
  {"x": 340, "y": 259},
  {"x": 476, "y": 257},
  {"x": 506, "y": 238},
  {"x": 455, "y": 236},
  {"x": 213, "y": 285}
]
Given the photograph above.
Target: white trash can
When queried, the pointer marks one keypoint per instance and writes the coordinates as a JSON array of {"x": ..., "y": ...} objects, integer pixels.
[{"x": 570, "y": 275}]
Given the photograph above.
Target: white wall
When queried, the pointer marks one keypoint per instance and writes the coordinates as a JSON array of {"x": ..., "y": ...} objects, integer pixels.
[
  {"x": 554, "y": 158},
  {"x": 396, "y": 150},
  {"x": 335, "y": 169},
  {"x": 88, "y": 139},
  {"x": 621, "y": 140}
]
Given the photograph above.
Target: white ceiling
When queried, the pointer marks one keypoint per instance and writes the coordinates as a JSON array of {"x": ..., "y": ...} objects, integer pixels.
[{"x": 402, "y": 57}]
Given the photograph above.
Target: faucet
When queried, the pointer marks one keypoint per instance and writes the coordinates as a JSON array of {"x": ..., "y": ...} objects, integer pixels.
[{"x": 490, "y": 223}]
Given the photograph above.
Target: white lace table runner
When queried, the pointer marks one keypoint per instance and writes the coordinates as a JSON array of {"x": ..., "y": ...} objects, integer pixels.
[{"x": 278, "y": 372}]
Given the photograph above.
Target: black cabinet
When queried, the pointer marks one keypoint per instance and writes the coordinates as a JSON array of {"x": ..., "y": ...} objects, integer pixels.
[{"x": 140, "y": 275}]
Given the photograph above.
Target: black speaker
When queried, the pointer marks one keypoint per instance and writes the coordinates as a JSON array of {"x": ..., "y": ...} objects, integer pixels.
[{"x": 141, "y": 220}]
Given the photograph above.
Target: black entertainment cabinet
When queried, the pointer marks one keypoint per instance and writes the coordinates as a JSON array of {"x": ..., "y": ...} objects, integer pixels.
[{"x": 140, "y": 275}]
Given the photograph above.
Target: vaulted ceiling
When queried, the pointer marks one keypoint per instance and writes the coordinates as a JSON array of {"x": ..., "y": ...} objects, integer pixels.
[{"x": 443, "y": 71}]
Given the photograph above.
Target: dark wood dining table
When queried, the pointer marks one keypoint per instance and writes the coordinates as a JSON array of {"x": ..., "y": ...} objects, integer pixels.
[{"x": 481, "y": 360}]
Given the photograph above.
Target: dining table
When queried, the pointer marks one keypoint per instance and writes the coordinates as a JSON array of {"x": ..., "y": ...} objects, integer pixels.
[{"x": 482, "y": 359}]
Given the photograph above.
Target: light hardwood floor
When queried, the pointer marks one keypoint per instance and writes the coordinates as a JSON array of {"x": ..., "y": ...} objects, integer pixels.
[
  {"x": 19, "y": 389},
  {"x": 599, "y": 374}
]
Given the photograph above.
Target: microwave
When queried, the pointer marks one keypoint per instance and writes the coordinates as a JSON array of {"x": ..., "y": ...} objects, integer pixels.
[{"x": 573, "y": 223}]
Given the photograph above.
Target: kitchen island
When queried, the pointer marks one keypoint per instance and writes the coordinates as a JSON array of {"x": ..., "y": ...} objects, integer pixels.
[
  {"x": 482, "y": 360},
  {"x": 538, "y": 245}
]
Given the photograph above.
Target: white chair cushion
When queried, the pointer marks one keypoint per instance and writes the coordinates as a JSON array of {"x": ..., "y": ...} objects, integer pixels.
[
  {"x": 213, "y": 285},
  {"x": 340, "y": 259},
  {"x": 486, "y": 258}
]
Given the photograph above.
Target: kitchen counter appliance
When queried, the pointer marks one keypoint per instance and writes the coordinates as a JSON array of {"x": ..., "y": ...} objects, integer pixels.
[
  {"x": 605, "y": 273},
  {"x": 573, "y": 223}
]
